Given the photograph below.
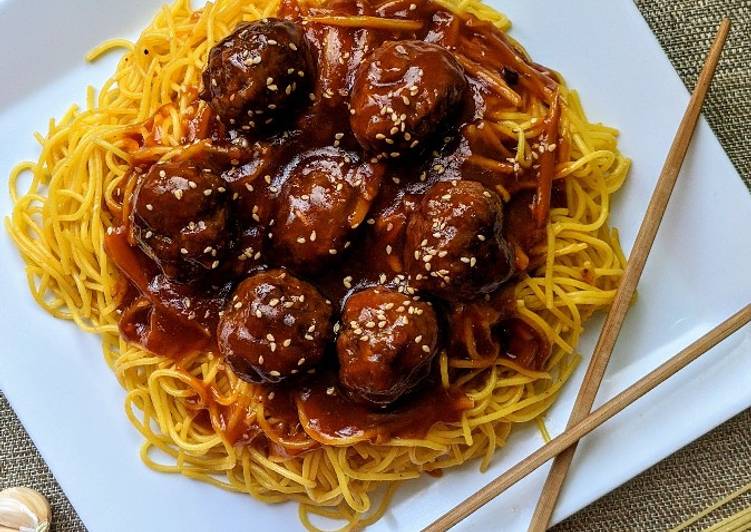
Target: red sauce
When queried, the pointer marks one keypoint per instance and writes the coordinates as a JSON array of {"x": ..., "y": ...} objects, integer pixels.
[{"x": 175, "y": 319}]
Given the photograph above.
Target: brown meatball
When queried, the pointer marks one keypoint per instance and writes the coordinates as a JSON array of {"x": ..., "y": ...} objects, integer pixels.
[
  {"x": 260, "y": 69},
  {"x": 454, "y": 245},
  {"x": 179, "y": 216},
  {"x": 274, "y": 326},
  {"x": 404, "y": 94},
  {"x": 386, "y": 345},
  {"x": 326, "y": 196}
]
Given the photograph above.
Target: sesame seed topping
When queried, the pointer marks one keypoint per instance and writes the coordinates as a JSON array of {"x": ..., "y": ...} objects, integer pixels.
[
  {"x": 149, "y": 207},
  {"x": 426, "y": 348},
  {"x": 274, "y": 373},
  {"x": 183, "y": 251}
]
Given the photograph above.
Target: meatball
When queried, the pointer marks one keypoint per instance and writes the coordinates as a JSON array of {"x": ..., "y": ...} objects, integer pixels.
[
  {"x": 178, "y": 217},
  {"x": 258, "y": 71},
  {"x": 273, "y": 327},
  {"x": 404, "y": 94},
  {"x": 454, "y": 245},
  {"x": 386, "y": 345},
  {"x": 326, "y": 196}
]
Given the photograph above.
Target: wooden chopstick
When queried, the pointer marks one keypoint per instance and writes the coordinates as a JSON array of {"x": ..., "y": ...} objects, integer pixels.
[
  {"x": 637, "y": 259},
  {"x": 590, "y": 422}
]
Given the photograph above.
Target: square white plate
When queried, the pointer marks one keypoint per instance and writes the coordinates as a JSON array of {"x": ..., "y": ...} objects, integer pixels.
[{"x": 71, "y": 404}]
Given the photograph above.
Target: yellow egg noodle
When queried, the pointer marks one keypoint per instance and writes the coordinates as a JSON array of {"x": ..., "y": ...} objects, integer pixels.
[{"x": 61, "y": 217}]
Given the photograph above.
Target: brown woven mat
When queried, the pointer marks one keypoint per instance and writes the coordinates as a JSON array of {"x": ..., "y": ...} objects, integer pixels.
[{"x": 688, "y": 481}]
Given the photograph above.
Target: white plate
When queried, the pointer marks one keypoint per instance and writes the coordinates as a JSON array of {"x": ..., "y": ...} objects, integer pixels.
[{"x": 71, "y": 404}]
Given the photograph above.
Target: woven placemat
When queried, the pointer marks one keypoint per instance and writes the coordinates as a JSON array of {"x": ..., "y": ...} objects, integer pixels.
[{"x": 688, "y": 481}]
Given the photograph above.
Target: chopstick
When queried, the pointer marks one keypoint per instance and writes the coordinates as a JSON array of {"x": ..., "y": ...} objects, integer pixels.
[
  {"x": 637, "y": 259},
  {"x": 590, "y": 422}
]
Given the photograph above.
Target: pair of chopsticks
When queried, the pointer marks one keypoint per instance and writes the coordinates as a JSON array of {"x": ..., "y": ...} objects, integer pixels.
[{"x": 582, "y": 422}]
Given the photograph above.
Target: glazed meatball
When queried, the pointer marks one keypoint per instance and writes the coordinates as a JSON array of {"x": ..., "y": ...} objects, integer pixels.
[
  {"x": 386, "y": 345},
  {"x": 273, "y": 327},
  {"x": 326, "y": 196},
  {"x": 258, "y": 71},
  {"x": 178, "y": 217},
  {"x": 454, "y": 245},
  {"x": 404, "y": 94}
]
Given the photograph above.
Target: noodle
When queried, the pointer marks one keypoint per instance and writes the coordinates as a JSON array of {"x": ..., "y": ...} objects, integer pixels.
[{"x": 59, "y": 223}]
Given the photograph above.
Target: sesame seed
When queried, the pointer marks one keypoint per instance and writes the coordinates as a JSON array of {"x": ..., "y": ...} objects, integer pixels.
[
  {"x": 258, "y": 314},
  {"x": 215, "y": 265},
  {"x": 272, "y": 346},
  {"x": 292, "y": 46},
  {"x": 347, "y": 281},
  {"x": 274, "y": 373},
  {"x": 308, "y": 337},
  {"x": 426, "y": 348},
  {"x": 301, "y": 240},
  {"x": 287, "y": 342},
  {"x": 313, "y": 236},
  {"x": 149, "y": 207},
  {"x": 332, "y": 251},
  {"x": 183, "y": 251},
  {"x": 271, "y": 395},
  {"x": 148, "y": 233},
  {"x": 239, "y": 304},
  {"x": 418, "y": 338},
  {"x": 207, "y": 192},
  {"x": 260, "y": 360},
  {"x": 481, "y": 238},
  {"x": 274, "y": 302},
  {"x": 330, "y": 390}
]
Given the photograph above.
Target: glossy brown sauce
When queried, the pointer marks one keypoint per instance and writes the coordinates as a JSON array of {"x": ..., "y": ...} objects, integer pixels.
[{"x": 154, "y": 310}]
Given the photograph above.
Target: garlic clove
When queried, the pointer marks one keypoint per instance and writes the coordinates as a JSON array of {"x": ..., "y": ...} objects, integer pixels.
[{"x": 24, "y": 510}]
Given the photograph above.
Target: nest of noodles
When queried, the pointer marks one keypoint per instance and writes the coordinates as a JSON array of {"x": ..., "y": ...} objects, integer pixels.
[{"x": 60, "y": 221}]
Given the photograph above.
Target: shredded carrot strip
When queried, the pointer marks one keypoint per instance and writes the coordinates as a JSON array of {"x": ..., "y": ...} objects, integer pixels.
[{"x": 364, "y": 21}]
